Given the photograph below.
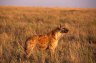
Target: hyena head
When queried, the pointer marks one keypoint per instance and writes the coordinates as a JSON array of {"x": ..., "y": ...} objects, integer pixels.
[
  {"x": 62, "y": 29},
  {"x": 59, "y": 31}
]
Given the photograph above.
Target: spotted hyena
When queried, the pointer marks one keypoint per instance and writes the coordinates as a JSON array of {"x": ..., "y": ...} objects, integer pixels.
[{"x": 43, "y": 42}]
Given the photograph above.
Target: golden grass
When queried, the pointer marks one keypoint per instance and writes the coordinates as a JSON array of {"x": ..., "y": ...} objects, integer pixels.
[{"x": 19, "y": 23}]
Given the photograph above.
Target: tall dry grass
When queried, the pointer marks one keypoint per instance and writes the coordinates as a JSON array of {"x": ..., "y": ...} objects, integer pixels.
[{"x": 19, "y": 23}]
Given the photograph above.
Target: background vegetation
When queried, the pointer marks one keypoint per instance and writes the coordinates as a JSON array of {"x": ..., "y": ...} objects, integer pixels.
[{"x": 19, "y": 23}]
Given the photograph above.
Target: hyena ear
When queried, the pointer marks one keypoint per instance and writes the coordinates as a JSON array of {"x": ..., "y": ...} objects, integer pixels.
[{"x": 60, "y": 26}]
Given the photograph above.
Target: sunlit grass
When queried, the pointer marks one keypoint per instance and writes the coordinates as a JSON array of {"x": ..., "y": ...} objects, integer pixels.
[{"x": 19, "y": 23}]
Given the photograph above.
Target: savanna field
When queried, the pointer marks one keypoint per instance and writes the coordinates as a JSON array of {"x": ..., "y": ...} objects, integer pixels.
[{"x": 19, "y": 23}]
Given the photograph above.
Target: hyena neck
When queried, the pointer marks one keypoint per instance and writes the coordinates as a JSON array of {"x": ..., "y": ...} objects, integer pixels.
[{"x": 57, "y": 35}]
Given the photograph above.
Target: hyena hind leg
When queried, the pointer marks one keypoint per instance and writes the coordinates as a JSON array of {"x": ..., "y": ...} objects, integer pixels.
[{"x": 29, "y": 48}]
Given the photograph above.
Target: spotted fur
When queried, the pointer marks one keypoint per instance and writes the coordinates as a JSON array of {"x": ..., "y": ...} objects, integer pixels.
[{"x": 43, "y": 42}]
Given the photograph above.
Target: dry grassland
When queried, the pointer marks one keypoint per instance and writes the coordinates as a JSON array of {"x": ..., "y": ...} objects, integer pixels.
[{"x": 19, "y": 23}]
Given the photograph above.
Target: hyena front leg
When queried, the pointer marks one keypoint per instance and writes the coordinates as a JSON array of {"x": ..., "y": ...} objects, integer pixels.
[
  {"x": 52, "y": 52},
  {"x": 29, "y": 46},
  {"x": 53, "y": 55}
]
